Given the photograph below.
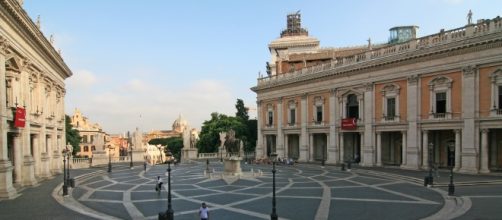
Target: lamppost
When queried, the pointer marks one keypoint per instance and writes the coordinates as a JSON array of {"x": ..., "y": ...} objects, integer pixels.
[
  {"x": 169, "y": 214},
  {"x": 130, "y": 164},
  {"x": 428, "y": 180},
  {"x": 68, "y": 168},
  {"x": 65, "y": 186},
  {"x": 109, "y": 160},
  {"x": 273, "y": 216},
  {"x": 451, "y": 164},
  {"x": 221, "y": 154}
]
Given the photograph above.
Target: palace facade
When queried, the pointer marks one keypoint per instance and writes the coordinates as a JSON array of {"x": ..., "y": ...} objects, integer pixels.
[
  {"x": 403, "y": 103},
  {"x": 32, "y": 122},
  {"x": 93, "y": 136}
]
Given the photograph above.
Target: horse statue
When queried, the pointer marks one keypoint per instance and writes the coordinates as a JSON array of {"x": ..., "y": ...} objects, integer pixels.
[{"x": 232, "y": 144}]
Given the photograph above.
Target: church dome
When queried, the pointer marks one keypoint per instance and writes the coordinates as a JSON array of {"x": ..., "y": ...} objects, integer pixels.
[{"x": 179, "y": 124}]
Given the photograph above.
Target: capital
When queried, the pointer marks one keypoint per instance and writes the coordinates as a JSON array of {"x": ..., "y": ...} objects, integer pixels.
[
  {"x": 469, "y": 71},
  {"x": 413, "y": 79}
]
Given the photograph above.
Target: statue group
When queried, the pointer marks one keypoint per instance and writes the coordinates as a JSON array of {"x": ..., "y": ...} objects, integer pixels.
[{"x": 232, "y": 145}]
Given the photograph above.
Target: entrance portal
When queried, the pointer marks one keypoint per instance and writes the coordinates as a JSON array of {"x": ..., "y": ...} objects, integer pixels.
[
  {"x": 391, "y": 148},
  {"x": 320, "y": 144},
  {"x": 495, "y": 149},
  {"x": 293, "y": 146},
  {"x": 441, "y": 139},
  {"x": 351, "y": 146},
  {"x": 270, "y": 144}
]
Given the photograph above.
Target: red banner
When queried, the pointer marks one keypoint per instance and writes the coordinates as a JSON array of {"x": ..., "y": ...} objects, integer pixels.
[
  {"x": 20, "y": 118},
  {"x": 349, "y": 123}
]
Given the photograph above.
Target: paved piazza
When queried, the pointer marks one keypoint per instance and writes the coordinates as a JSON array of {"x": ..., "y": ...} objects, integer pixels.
[{"x": 303, "y": 192}]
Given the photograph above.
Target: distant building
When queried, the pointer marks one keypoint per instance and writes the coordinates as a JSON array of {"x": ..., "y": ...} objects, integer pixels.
[
  {"x": 155, "y": 154},
  {"x": 93, "y": 137},
  {"x": 395, "y": 104},
  {"x": 178, "y": 127}
]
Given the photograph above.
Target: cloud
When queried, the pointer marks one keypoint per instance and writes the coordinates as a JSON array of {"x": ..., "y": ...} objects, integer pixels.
[
  {"x": 142, "y": 103},
  {"x": 81, "y": 79}
]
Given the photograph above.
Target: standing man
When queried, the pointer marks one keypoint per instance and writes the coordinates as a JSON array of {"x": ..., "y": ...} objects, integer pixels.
[
  {"x": 204, "y": 212},
  {"x": 144, "y": 166}
]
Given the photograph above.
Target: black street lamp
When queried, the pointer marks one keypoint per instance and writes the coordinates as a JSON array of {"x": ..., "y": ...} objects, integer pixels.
[
  {"x": 221, "y": 154},
  {"x": 451, "y": 164},
  {"x": 109, "y": 160},
  {"x": 428, "y": 180},
  {"x": 65, "y": 186},
  {"x": 68, "y": 168},
  {"x": 169, "y": 214},
  {"x": 130, "y": 164},
  {"x": 273, "y": 216}
]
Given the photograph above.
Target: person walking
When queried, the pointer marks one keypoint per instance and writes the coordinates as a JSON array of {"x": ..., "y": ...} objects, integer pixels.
[
  {"x": 158, "y": 188},
  {"x": 144, "y": 166},
  {"x": 204, "y": 212}
]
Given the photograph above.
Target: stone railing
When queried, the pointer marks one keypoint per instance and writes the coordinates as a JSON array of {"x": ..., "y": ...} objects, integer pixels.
[
  {"x": 484, "y": 27},
  {"x": 208, "y": 155},
  {"x": 79, "y": 163}
]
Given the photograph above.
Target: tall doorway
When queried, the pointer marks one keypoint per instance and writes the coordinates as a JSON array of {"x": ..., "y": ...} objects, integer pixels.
[
  {"x": 440, "y": 140},
  {"x": 351, "y": 146},
  {"x": 392, "y": 143},
  {"x": 320, "y": 144},
  {"x": 10, "y": 154},
  {"x": 270, "y": 144},
  {"x": 495, "y": 150},
  {"x": 293, "y": 146}
]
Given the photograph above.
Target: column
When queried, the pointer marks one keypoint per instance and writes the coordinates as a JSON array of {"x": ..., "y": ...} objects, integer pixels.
[
  {"x": 311, "y": 147},
  {"x": 304, "y": 135},
  {"x": 403, "y": 149},
  {"x": 342, "y": 146},
  {"x": 286, "y": 146},
  {"x": 413, "y": 115},
  {"x": 18, "y": 157},
  {"x": 470, "y": 132},
  {"x": 484, "y": 151},
  {"x": 379, "y": 148},
  {"x": 366, "y": 161},
  {"x": 7, "y": 189},
  {"x": 45, "y": 169},
  {"x": 259, "y": 141},
  {"x": 36, "y": 154},
  {"x": 28, "y": 162},
  {"x": 369, "y": 148},
  {"x": 280, "y": 135},
  {"x": 425, "y": 149},
  {"x": 332, "y": 157},
  {"x": 458, "y": 150}
]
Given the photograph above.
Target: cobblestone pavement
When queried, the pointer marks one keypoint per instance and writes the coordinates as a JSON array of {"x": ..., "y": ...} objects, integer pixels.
[{"x": 303, "y": 192}]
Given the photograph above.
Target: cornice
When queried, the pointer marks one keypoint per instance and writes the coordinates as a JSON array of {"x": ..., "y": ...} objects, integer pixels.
[
  {"x": 422, "y": 55},
  {"x": 14, "y": 14}
]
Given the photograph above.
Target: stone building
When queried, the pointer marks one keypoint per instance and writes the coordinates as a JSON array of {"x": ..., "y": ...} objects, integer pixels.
[
  {"x": 178, "y": 127},
  {"x": 93, "y": 136},
  {"x": 32, "y": 122},
  {"x": 393, "y": 104}
]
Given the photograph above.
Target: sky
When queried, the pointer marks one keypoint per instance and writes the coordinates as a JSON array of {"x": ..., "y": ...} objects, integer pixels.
[{"x": 143, "y": 63}]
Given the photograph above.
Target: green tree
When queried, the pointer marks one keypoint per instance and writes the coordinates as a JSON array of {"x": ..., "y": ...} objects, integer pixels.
[
  {"x": 209, "y": 138},
  {"x": 72, "y": 135},
  {"x": 242, "y": 111},
  {"x": 174, "y": 144}
]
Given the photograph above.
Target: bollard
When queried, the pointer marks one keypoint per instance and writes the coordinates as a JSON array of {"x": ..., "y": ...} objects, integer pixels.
[
  {"x": 343, "y": 166},
  {"x": 348, "y": 166},
  {"x": 72, "y": 183}
]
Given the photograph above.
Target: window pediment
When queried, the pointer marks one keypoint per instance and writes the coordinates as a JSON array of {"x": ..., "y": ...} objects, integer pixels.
[
  {"x": 440, "y": 81},
  {"x": 390, "y": 89},
  {"x": 318, "y": 101}
]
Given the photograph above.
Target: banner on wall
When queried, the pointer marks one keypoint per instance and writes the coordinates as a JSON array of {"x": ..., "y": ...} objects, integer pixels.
[
  {"x": 349, "y": 123},
  {"x": 20, "y": 118}
]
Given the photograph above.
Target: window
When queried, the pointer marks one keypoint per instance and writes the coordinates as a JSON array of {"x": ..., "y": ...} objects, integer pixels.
[
  {"x": 270, "y": 118},
  {"x": 391, "y": 107},
  {"x": 93, "y": 148},
  {"x": 441, "y": 102},
  {"x": 86, "y": 148},
  {"x": 92, "y": 138},
  {"x": 84, "y": 139},
  {"x": 440, "y": 97},
  {"x": 500, "y": 97},
  {"x": 352, "y": 106},
  {"x": 292, "y": 116},
  {"x": 318, "y": 113}
]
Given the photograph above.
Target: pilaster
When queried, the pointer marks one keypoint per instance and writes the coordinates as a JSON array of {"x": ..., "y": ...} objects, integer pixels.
[
  {"x": 333, "y": 140},
  {"x": 368, "y": 151},
  {"x": 259, "y": 140},
  {"x": 470, "y": 155},
  {"x": 280, "y": 134},
  {"x": 304, "y": 136},
  {"x": 413, "y": 136}
]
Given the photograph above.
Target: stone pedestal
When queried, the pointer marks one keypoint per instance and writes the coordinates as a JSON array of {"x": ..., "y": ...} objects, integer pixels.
[
  {"x": 7, "y": 190},
  {"x": 99, "y": 158},
  {"x": 188, "y": 154},
  {"x": 29, "y": 172},
  {"x": 232, "y": 166},
  {"x": 137, "y": 156}
]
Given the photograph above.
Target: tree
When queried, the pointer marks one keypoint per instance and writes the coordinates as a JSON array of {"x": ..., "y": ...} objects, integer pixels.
[
  {"x": 72, "y": 135},
  {"x": 209, "y": 138},
  {"x": 242, "y": 111},
  {"x": 174, "y": 144}
]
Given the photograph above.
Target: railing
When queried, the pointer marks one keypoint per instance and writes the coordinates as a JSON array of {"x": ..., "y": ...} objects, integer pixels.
[
  {"x": 482, "y": 28},
  {"x": 208, "y": 155},
  {"x": 78, "y": 162}
]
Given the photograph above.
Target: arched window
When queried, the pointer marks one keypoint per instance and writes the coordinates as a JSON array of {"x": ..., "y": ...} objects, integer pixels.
[{"x": 86, "y": 148}]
